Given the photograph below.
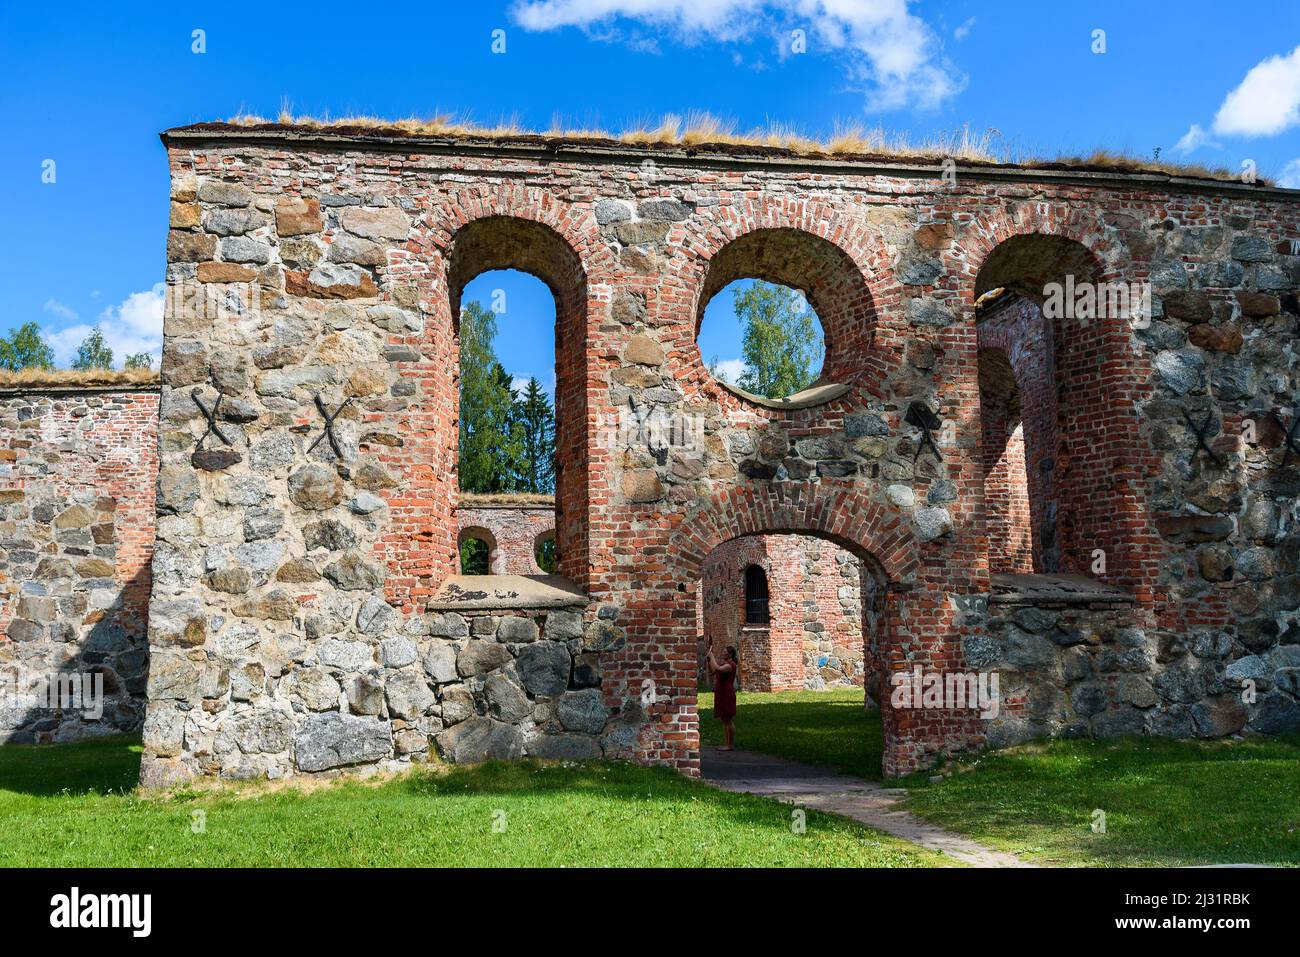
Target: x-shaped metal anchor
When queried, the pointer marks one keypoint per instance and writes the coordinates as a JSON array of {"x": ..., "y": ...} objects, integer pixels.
[
  {"x": 920, "y": 415},
  {"x": 211, "y": 416},
  {"x": 1290, "y": 433},
  {"x": 329, "y": 425},
  {"x": 1201, "y": 431}
]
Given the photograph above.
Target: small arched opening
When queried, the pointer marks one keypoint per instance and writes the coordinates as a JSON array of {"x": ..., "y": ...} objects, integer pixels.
[
  {"x": 478, "y": 551},
  {"x": 756, "y": 600},
  {"x": 545, "y": 553}
]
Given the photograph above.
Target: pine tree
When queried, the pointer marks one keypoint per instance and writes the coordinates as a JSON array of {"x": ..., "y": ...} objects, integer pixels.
[
  {"x": 25, "y": 348},
  {"x": 490, "y": 441},
  {"x": 536, "y": 420},
  {"x": 781, "y": 342}
]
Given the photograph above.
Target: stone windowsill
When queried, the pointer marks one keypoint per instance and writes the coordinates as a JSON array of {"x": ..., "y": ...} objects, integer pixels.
[
  {"x": 507, "y": 593},
  {"x": 817, "y": 394},
  {"x": 1056, "y": 589}
]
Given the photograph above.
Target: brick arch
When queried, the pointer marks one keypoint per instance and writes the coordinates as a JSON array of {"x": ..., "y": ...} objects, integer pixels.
[
  {"x": 528, "y": 230},
  {"x": 839, "y": 263},
  {"x": 1096, "y": 488},
  {"x": 574, "y": 223},
  {"x": 881, "y": 540},
  {"x": 845, "y": 516},
  {"x": 1059, "y": 222}
]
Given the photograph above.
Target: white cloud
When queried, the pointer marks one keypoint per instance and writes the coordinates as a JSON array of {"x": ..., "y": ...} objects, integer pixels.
[
  {"x": 964, "y": 30},
  {"x": 520, "y": 384},
  {"x": 1289, "y": 178},
  {"x": 60, "y": 310},
  {"x": 893, "y": 54},
  {"x": 134, "y": 325},
  {"x": 1266, "y": 102},
  {"x": 731, "y": 369},
  {"x": 1194, "y": 138}
]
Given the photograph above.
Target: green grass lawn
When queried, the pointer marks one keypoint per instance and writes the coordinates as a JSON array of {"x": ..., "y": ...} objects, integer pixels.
[
  {"x": 73, "y": 805},
  {"x": 1166, "y": 802},
  {"x": 816, "y": 727}
]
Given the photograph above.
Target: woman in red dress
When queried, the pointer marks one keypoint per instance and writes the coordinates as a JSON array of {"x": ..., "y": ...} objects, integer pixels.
[{"x": 724, "y": 694}]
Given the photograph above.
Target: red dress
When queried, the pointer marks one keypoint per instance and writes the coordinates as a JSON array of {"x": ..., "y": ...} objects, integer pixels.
[{"x": 724, "y": 694}]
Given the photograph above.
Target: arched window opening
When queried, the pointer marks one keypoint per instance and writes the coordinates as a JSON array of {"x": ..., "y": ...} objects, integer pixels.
[
  {"x": 785, "y": 317},
  {"x": 507, "y": 377},
  {"x": 756, "y": 600},
  {"x": 1048, "y": 320},
  {"x": 517, "y": 290},
  {"x": 544, "y": 552},
  {"x": 762, "y": 337}
]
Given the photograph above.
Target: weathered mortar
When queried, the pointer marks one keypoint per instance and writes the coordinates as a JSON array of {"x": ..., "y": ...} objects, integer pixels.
[{"x": 356, "y": 251}]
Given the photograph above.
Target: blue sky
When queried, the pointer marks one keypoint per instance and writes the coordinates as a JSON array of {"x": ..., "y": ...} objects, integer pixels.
[{"x": 89, "y": 86}]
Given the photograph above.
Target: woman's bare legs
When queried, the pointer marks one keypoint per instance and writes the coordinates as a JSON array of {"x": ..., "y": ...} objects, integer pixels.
[{"x": 728, "y": 735}]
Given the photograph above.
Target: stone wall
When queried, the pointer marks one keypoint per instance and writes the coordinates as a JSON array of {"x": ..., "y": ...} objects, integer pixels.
[
  {"x": 77, "y": 477},
  {"x": 337, "y": 259},
  {"x": 444, "y": 686},
  {"x": 1085, "y": 669}
]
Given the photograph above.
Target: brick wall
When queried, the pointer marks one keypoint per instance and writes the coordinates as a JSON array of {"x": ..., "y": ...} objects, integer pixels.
[
  {"x": 357, "y": 249},
  {"x": 512, "y": 532},
  {"x": 1018, "y": 409},
  {"x": 77, "y": 476},
  {"x": 814, "y": 637}
]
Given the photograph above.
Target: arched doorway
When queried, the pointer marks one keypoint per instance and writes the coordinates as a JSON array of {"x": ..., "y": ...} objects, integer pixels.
[{"x": 806, "y": 616}]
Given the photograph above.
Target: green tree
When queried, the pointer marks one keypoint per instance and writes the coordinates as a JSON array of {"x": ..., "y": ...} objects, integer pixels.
[
  {"x": 474, "y": 556},
  {"x": 536, "y": 420},
  {"x": 781, "y": 340},
  {"x": 25, "y": 348},
  {"x": 93, "y": 353},
  {"x": 491, "y": 444},
  {"x": 141, "y": 360},
  {"x": 548, "y": 559}
]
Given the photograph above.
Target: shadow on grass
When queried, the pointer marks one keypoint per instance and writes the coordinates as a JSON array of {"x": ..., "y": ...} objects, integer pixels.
[{"x": 106, "y": 765}]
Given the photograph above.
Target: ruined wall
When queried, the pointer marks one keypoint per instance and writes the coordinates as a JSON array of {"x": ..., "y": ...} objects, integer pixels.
[
  {"x": 1018, "y": 408},
  {"x": 511, "y": 530},
  {"x": 813, "y": 639},
  {"x": 353, "y": 252},
  {"x": 77, "y": 478}
]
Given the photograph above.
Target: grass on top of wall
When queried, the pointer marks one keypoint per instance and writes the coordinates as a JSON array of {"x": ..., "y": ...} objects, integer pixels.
[{"x": 73, "y": 806}]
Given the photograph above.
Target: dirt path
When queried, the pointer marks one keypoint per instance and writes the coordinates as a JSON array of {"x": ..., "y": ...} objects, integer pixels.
[{"x": 823, "y": 790}]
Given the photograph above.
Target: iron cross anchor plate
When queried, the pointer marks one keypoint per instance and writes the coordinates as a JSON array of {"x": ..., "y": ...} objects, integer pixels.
[{"x": 329, "y": 426}]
